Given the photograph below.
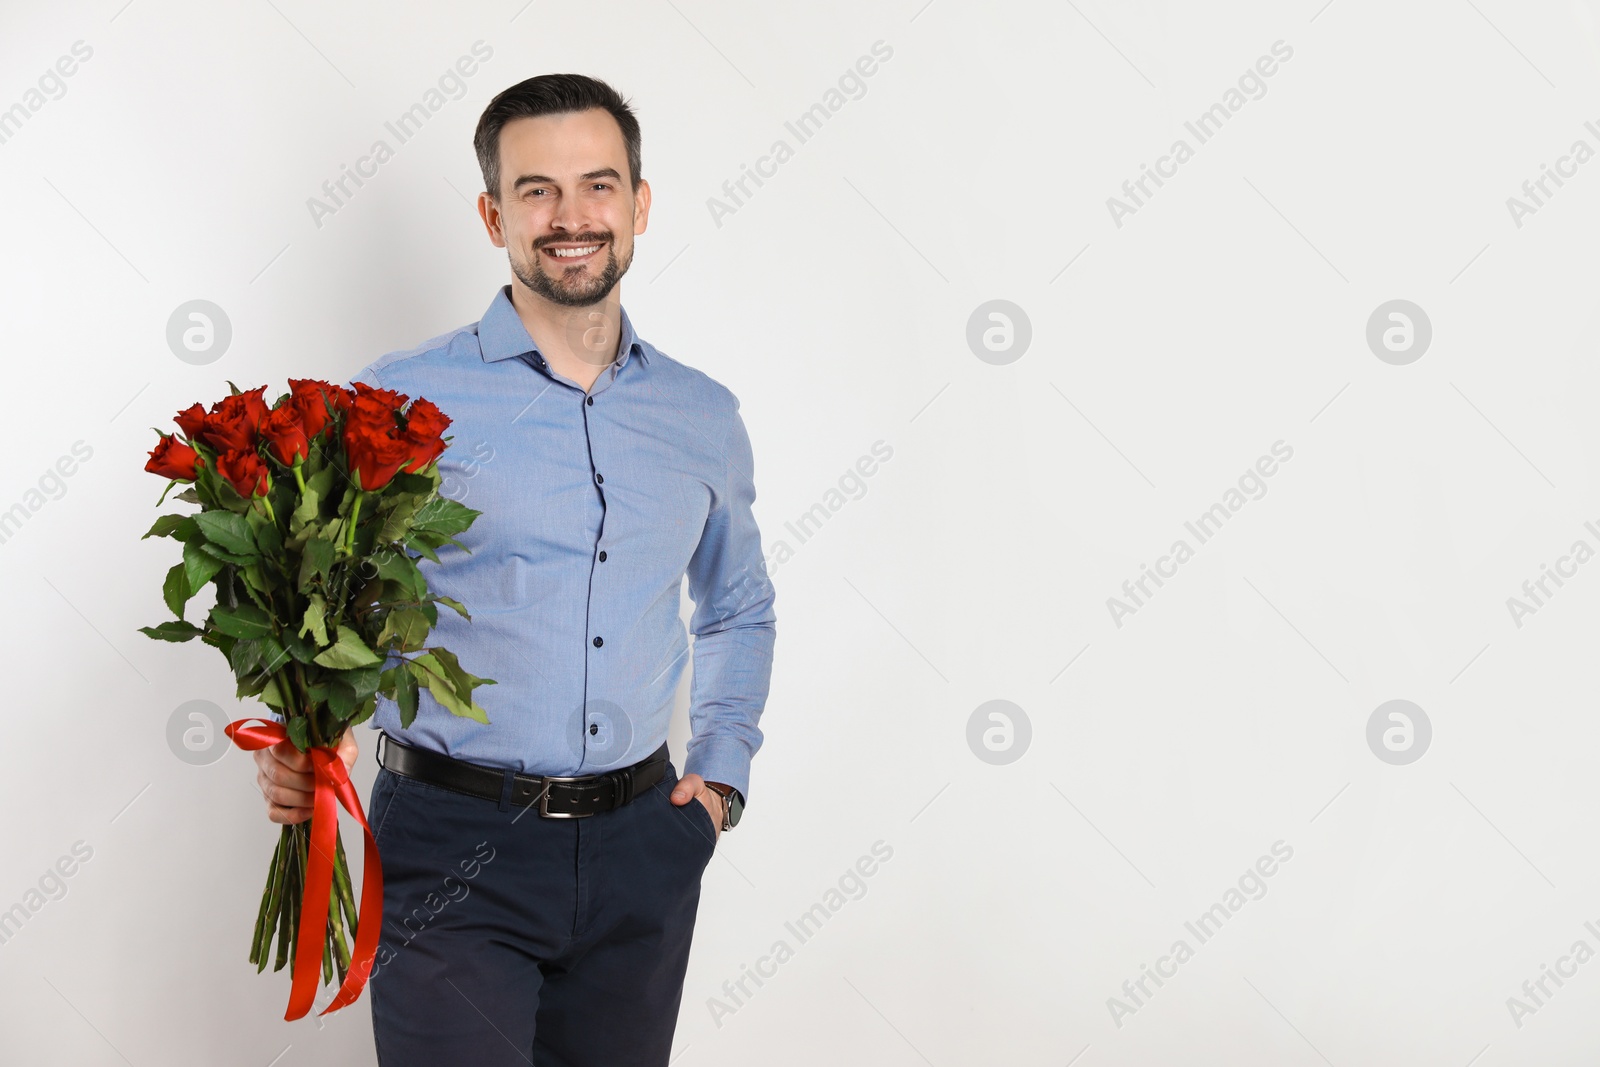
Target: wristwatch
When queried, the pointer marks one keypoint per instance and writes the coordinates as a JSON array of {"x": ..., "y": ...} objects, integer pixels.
[{"x": 732, "y": 804}]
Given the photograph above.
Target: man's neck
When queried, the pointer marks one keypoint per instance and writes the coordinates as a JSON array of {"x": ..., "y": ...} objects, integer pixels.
[{"x": 582, "y": 339}]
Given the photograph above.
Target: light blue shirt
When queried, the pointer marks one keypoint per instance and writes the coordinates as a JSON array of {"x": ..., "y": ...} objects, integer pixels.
[{"x": 594, "y": 507}]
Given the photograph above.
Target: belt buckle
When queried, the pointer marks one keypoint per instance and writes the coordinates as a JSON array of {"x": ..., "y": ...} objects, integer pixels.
[{"x": 544, "y": 798}]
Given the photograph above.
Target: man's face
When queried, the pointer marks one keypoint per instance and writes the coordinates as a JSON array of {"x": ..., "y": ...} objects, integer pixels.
[{"x": 567, "y": 214}]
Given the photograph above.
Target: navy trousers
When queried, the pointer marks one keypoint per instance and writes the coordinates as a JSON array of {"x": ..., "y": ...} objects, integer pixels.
[{"x": 512, "y": 939}]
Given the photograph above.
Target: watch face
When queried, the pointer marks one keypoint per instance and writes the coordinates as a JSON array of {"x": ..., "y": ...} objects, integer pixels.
[{"x": 735, "y": 808}]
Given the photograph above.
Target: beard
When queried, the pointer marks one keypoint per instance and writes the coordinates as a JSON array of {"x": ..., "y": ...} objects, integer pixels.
[{"x": 575, "y": 287}]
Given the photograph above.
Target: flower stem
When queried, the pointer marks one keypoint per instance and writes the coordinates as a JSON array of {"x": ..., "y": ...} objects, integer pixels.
[
  {"x": 298, "y": 477},
  {"x": 257, "y": 950},
  {"x": 355, "y": 513}
]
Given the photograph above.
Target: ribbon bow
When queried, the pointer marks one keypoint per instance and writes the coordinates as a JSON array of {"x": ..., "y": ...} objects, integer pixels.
[{"x": 333, "y": 787}]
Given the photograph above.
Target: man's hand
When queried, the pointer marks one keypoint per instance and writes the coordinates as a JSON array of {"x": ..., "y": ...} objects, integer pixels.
[
  {"x": 287, "y": 781},
  {"x": 693, "y": 787}
]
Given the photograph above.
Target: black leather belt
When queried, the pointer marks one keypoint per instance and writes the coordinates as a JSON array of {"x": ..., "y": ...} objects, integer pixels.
[{"x": 556, "y": 797}]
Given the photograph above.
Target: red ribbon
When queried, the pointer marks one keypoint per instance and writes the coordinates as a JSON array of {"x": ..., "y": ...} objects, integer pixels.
[{"x": 333, "y": 787}]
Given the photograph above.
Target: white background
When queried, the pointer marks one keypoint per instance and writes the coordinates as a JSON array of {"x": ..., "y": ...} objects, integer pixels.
[{"x": 1167, "y": 754}]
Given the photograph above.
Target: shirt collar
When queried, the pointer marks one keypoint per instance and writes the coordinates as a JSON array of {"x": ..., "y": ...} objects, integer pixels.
[{"x": 501, "y": 334}]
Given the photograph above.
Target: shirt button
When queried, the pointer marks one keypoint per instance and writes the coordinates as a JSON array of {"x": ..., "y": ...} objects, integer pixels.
[
  {"x": 599, "y": 477},
  {"x": 594, "y": 728},
  {"x": 598, "y": 642},
  {"x": 602, "y": 555},
  {"x": 591, "y": 401}
]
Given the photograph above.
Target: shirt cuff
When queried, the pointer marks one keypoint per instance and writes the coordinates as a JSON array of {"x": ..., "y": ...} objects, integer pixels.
[{"x": 721, "y": 760}]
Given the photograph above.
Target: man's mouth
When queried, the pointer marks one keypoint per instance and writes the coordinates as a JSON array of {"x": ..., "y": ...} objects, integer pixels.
[{"x": 568, "y": 254}]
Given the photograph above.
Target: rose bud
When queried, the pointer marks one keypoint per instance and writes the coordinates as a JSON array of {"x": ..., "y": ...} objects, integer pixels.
[
  {"x": 285, "y": 435},
  {"x": 191, "y": 421},
  {"x": 313, "y": 399},
  {"x": 244, "y": 469},
  {"x": 233, "y": 422},
  {"x": 171, "y": 458},
  {"x": 375, "y": 455},
  {"x": 424, "y": 420}
]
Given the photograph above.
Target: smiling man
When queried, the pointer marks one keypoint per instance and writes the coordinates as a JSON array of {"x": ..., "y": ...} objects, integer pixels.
[{"x": 542, "y": 873}]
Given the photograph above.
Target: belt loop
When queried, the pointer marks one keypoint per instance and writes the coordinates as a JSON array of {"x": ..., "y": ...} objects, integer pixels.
[{"x": 505, "y": 789}]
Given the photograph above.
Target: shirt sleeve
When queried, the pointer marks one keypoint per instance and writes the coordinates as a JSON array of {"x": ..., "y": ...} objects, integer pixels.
[{"x": 733, "y": 623}]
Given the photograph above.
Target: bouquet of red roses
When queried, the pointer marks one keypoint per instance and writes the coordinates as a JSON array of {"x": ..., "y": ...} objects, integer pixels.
[{"x": 307, "y": 509}]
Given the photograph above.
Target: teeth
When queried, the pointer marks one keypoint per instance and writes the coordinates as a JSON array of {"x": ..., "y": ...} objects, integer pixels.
[{"x": 568, "y": 253}]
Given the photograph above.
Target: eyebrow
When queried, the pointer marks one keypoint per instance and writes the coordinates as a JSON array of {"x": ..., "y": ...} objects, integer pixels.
[{"x": 530, "y": 179}]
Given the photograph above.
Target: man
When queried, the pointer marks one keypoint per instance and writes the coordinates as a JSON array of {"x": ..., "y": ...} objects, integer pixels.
[{"x": 605, "y": 472}]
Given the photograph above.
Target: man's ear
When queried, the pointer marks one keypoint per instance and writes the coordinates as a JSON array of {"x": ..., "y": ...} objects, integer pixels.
[
  {"x": 641, "y": 207},
  {"x": 489, "y": 211}
]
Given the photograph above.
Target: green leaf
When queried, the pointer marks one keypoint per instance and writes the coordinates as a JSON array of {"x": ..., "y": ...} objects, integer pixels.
[
  {"x": 244, "y": 621},
  {"x": 172, "y": 631},
  {"x": 314, "y": 620},
  {"x": 398, "y": 520},
  {"x": 272, "y": 694},
  {"x": 228, "y": 531},
  {"x": 316, "y": 560},
  {"x": 175, "y": 590},
  {"x": 189, "y": 496},
  {"x": 336, "y": 694},
  {"x": 400, "y": 568},
  {"x": 181, "y": 527},
  {"x": 445, "y": 686},
  {"x": 348, "y": 651},
  {"x": 363, "y": 681},
  {"x": 258, "y": 657},
  {"x": 422, "y": 546},
  {"x": 200, "y": 566},
  {"x": 296, "y": 726},
  {"x": 298, "y": 647},
  {"x": 364, "y": 711},
  {"x": 400, "y": 685},
  {"x": 217, "y": 551},
  {"x": 406, "y": 626},
  {"x": 441, "y": 515},
  {"x": 269, "y": 541},
  {"x": 306, "y": 511},
  {"x": 451, "y": 602}
]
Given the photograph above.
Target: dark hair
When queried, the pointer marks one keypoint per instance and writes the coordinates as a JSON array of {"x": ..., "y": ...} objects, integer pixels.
[{"x": 550, "y": 94}]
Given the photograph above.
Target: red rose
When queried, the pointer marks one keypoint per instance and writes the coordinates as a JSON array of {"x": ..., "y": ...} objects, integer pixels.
[
  {"x": 424, "y": 425},
  {"x": 245, "y": 470},
  {"x": 191, "y": 421},
  {"x": 378, "y": 408},
  {"x": 285, "y": 435},
  {"x": 313, "y": 399},
  {"x": 375, "y": 454},
  {"x": 424, "y": 419},
  {"x": 171, "y": 458},
  {"x": 233, "y": 421}
]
